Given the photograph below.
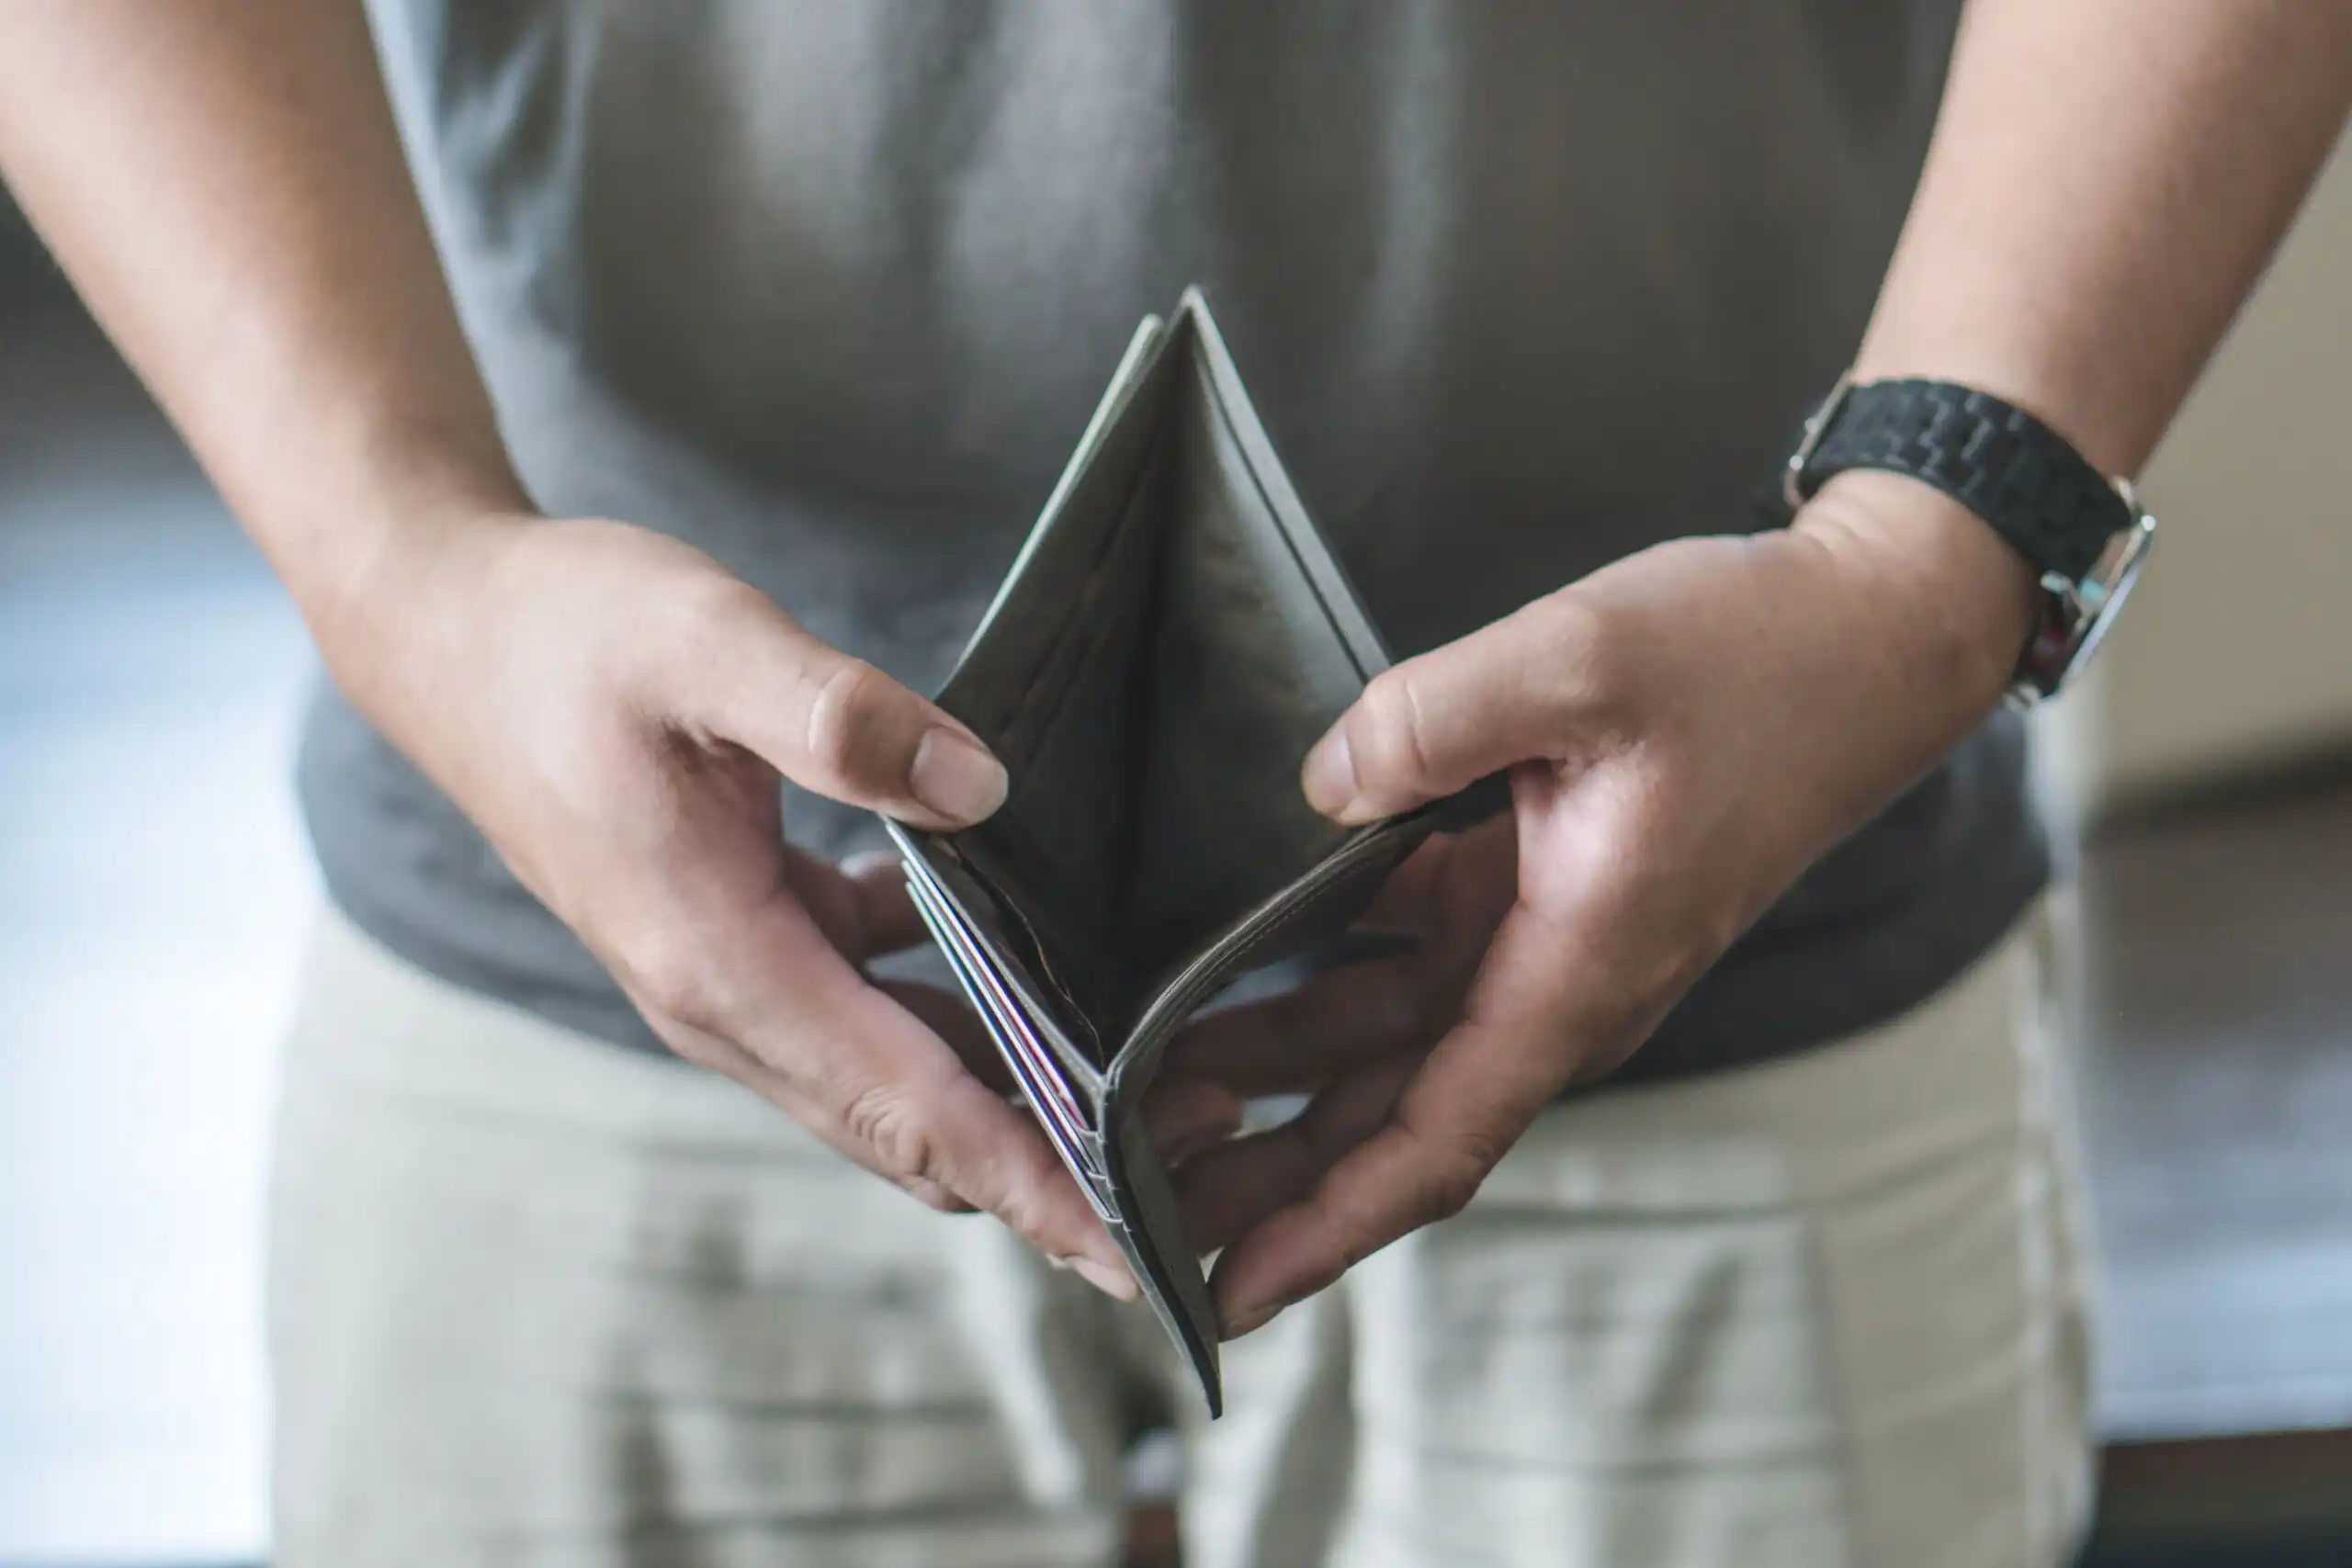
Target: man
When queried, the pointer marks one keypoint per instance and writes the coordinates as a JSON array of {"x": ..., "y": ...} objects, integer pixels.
[{"x": 814, "y": 297}]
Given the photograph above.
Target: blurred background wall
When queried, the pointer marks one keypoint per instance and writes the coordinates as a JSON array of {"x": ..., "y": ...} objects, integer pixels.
[{"x": 152, "y": 893}]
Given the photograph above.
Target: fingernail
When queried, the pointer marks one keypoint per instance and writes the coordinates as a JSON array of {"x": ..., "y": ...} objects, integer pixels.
[
  {"x": 869, "y": 863},
  {"x": 957, "y": 778},
  {"x": 1251, "y": 1321},
  {"x": 1199, "y": 1139},
  {"x": 1116, "y": 1283},
  {"x": 1213, "y": 1125},
  {"x": 1329, "y": 776}
]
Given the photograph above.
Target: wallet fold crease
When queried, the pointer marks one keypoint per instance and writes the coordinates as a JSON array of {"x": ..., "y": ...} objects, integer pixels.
[{"x": 1172, "y": 638}]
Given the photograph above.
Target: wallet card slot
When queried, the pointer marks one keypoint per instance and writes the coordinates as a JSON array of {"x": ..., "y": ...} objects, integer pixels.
[
  {"x": 1052, "y": 687},
  {"x": 1048, "y": 1099},
  {"x": 1046, "y": 597},
  {"x": 1072, "y": 748},
  {"x": 999, "y": 932},
  {"x": 1112, "y": 606},
  {"x": 1007, "y": 859},
  {"x": 991, "y": 996}
]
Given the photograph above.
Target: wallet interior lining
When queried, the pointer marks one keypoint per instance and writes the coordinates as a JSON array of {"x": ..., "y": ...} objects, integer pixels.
[{"x": 1155, "y": 677}]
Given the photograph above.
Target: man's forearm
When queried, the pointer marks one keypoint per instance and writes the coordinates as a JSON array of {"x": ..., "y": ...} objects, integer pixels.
[
  {"x": 223, "y": 184},
  {"x": 1689, "y": 728},
  {"x": 2109, "y": 178},
  {"x": 610, "y": 708}
]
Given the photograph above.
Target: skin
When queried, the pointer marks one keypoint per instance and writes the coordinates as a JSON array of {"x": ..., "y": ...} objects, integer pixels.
[
  {"x": 611, "y": 708},
  {"x": 1689, "y": 728}
]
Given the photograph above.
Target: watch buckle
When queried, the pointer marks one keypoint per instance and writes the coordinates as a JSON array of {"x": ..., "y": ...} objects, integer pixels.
[
  {"x": 2076, "y": 616},
  {"x": 1816, "y": 425}
]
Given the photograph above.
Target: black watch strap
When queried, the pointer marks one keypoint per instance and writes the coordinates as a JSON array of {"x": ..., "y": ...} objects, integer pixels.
[{"x": 2000, "y": 462}]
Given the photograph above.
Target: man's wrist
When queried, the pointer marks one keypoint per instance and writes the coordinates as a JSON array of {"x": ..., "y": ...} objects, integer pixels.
[
  {"x": 1949, "y": 586},
  {"x": 386, "y": 561},
  {"x": 386, "y": 510}
]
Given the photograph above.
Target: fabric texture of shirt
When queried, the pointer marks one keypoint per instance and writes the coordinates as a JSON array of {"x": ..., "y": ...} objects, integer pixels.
[{"x": 829, "y": 287}]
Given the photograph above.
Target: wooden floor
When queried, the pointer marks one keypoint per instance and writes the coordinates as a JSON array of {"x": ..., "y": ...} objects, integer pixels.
[
  {"x": 152, "y": 889},
  {"x": 2217, "y": 1100}
]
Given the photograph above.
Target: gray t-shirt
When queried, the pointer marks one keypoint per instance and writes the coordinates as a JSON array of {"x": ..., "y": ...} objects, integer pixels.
[{"x": 829, "y": 287}]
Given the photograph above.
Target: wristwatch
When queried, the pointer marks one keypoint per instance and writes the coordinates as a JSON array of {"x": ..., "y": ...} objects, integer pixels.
[{"x": 2086, "y": 534}]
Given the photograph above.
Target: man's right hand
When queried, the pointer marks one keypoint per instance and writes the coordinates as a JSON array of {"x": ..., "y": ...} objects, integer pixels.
[{"x": 614, "y": 711}]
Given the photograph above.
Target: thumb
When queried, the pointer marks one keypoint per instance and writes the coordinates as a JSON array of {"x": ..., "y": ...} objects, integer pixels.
[
  {"x": 839, "y": 728},
  {"x": 1504, "y": 695}
]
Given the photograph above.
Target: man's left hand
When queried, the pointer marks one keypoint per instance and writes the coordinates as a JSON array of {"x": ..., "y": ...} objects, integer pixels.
[{"x": 1687, "y": 731}]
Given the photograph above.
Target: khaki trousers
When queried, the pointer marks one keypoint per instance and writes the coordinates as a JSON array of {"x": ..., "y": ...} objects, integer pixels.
[{"x": 536, "y": 1301}]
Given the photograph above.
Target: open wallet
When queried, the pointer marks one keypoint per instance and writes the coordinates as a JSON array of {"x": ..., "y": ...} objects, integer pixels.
[{"x": 1173, "y": 638}]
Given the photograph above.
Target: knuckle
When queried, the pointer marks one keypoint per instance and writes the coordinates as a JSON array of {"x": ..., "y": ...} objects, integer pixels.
[
  {"x": 715, "y": 603},
  {"x": 1022, "y": 1211},
  {"x": 1388, "y": 742},
  {"x": 1417, "y": 1014},
  {"x": 1586, "y": 661},
  {"x": 881, "y": 1120},
  {"x": 935, "y": 1197},
  {"x": 700, "y": 652},
  {"x": 1398, "y": 1017},
  {"x": 1449, "y": 1188},
  {"x": 846, "y": 720},
  {"x": 1024, "y": 1201},
  {"x": 708, "y": 619},
  {"x": 671, "y": 974},
  {"x": 698, "y": 1047},
  {"x": 1456, "y": 1168}
]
